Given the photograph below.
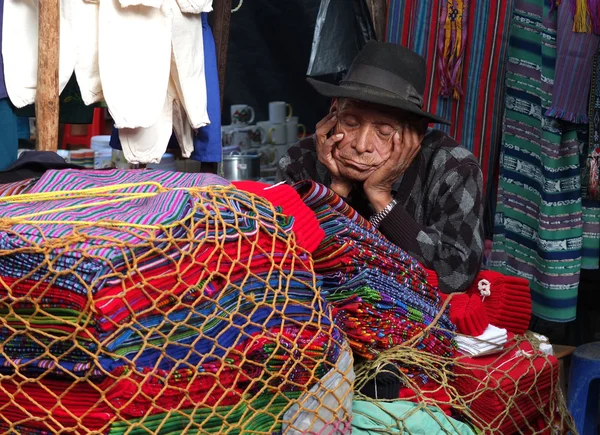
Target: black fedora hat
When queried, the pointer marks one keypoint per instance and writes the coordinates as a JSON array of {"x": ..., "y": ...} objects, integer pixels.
[{"x": 386, "y": 74}]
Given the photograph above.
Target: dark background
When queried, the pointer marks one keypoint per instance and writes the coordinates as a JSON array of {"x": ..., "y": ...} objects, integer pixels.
[{"x": 269, "y": 52}]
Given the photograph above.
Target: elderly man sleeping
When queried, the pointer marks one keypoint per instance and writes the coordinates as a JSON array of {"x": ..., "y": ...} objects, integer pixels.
[{"x": 419, "y": 187}]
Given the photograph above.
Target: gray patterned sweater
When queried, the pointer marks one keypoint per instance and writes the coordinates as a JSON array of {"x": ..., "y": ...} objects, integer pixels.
[{"x": 438, "y": 219}]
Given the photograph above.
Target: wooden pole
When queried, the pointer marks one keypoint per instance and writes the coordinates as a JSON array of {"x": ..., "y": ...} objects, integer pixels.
[
  {"x": 221, "y": 20},
  {"x": 220, "y": 23},
  {"x": 47, "y": 103}
]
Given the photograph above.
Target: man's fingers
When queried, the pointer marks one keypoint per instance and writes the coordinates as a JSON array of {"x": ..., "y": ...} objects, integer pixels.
[
  {"x": 414, "y": 144},
  {"x": 397, "y": 145},
  {"x": 330, "y": 142},
  {"x": 327, "y": 123},
  {"x": 325, "y": 153}
]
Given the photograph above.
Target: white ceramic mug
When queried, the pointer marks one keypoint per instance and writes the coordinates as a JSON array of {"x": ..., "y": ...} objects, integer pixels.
[
  {"x": 277, "y": 112},
  {"x": 271, "y": 154},
  {"x": 242, "y": 114},
  {"x": 265, "y": 125},
  {"x": 293, "y": 129},
  {"x": 278, "y": 134},
  {"x": 267, "y": 153},
  {"x": 233, "y": 135},
  {"x": 258, "y": 136}
]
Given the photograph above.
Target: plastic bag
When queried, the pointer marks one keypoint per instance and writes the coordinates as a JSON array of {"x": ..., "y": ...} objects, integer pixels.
[{"x": 342, "y": 30}]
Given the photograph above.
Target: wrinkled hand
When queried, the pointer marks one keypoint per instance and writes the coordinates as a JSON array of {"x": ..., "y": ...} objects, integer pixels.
[
  {"x": 325, "y": 146},
  {"x": 378, "y": 187}
]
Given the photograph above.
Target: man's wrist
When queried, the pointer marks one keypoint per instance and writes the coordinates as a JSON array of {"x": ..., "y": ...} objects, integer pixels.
[
  {"x": 380, "y": 200},
  {"x": 341, "y": 188}
]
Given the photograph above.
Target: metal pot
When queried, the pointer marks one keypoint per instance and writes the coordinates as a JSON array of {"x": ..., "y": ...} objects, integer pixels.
[{"x": 240, "y": 167}]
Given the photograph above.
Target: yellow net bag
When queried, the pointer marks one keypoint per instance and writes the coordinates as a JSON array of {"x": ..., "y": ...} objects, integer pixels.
[
  {"x": 148, "y": 307},
  {"x": 144, "y": 302}
]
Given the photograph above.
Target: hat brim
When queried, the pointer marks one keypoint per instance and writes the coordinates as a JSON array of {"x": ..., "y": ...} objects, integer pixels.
[{"x": 368, "y": 95}]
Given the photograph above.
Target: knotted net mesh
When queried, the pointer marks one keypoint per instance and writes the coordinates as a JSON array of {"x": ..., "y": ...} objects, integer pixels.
[
  {"x": 209, "y": 323},
  {"x": 180, "y": 305}
]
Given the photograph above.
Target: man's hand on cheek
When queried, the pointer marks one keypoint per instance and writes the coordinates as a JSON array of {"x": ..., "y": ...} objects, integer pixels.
[
  {"x": 326, "y": 145},
  {"x": 378, "y": 187}
]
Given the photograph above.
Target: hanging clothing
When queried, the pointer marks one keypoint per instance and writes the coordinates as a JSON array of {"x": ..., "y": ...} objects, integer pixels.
[
  {"x": 477, "y": 114},
  {"x": 575, "y": 53},
  {"x": 144, "y": 134},
  {"x": 151, "y": 73},
  {"x": 72, "y": 109},
  {"x": 3, "y": 92},
  {"x": 591, "y": 234},
  {"x": 148, "y": 145},
  {"x": 207, "y": 143},
  {"x": 538, "y": 231},
  {"x": 590, "y": 176},
  {"x": 9, "y": 142},
  {"x": 590, "y": 169},
  {"x": 135, "y": 47},
  {"x": 20, "y": 49},
  {"x": 83, "y": 19}
]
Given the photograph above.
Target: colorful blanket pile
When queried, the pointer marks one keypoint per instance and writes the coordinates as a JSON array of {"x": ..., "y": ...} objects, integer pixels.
[
  {"x": 128, "y": 295},
  {"x": 379, "y": 294}
]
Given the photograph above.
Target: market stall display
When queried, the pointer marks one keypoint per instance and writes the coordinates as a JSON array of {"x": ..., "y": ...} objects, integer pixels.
[
  {"x": 158, "y": 301},
  {"x": 161, "y": 302}
]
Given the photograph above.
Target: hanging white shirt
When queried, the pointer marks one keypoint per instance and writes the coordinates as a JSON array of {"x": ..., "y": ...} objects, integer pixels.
[
  {"x": 83, "y": 19},
  {"x": 148, "y": 145},
  {"x": 135, "y": 62},
  {"x": 188, "y": 69},
  {"x": 20, "y": 49}
]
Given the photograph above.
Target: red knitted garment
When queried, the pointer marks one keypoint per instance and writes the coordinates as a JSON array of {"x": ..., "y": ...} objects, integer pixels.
[
  {"x": 518, "y": 381},
  {"x": 506, "y": 300},
  {"x": 306, "y": 226}
]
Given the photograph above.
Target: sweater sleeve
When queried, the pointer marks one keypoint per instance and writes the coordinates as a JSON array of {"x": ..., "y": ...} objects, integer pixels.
[{"x": 451, "y": 243}]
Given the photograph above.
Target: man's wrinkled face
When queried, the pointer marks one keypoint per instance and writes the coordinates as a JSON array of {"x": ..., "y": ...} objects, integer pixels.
[{"x": 368, "y": 138}]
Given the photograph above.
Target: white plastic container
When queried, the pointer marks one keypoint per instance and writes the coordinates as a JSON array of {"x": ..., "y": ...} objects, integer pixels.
[
  {"x": 100, "y": 142},
  {"x": 102, "y": 152}
]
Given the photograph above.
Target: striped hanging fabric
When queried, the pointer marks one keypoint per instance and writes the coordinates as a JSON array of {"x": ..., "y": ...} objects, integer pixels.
[
  {"x": 477, "y": 116},
  {"x": 591, "y": 167},
  {"x": 586, "y": 15},
  {"x": 452, "y": 43}
]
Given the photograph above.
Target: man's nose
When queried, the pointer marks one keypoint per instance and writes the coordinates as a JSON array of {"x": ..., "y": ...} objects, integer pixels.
[{"x": 363, "y": 143}]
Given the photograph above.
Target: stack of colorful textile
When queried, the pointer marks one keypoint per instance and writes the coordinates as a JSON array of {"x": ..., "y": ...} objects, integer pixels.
[
  {"x": 507, "y": 393},
  {"x": 146, "y": 292},
  {"x": 379, "y": 294}
]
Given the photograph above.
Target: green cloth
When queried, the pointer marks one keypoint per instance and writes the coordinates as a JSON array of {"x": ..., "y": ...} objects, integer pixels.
[
  {"x": 9, "y": 141},
  {"x": 261, "y": 414},
  {"x": 539, "y": 223},
  {"x": 401, "y": 417}
]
